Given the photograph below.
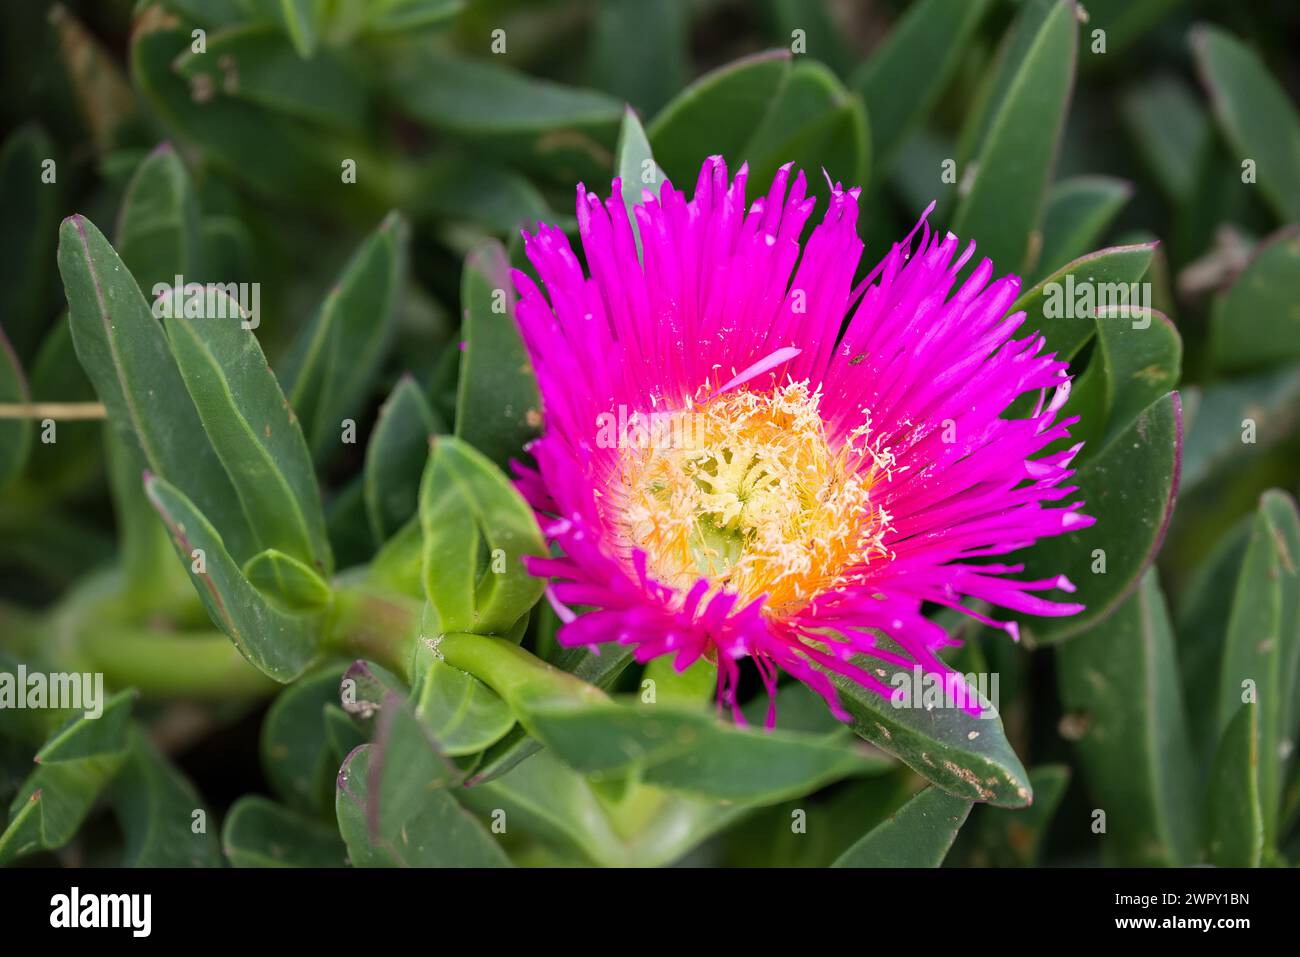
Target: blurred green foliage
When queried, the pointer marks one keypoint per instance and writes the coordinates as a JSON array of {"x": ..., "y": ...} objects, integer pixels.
[{"x": 369, "y": 166}]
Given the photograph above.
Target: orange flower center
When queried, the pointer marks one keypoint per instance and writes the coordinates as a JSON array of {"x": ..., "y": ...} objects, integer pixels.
[{"x": 746, "y": 491}]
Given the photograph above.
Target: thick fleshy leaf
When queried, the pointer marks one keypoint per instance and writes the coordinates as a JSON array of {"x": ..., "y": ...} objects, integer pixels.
[
  {"x": 534, "y": 123},
  {"x": 87, "y": 736},
  {"x": 717, "y": 114},
  {"x": 163, "y": 819},
  {"x": 294, "y": 160},
  {"x": 1255, "y": 324},
  {"x": 635, "y": 166},
  {"x": 329, "y": 369},
  {"x": 288, "y": 579},
  {"x": 996, "y": 837},
  {"x": 1263, "y": 641},
  {"x": 1003, "y": 206},
  {"x": 601, "y": 670},
  {"x": 1253, "y": 109},
  {"x": 1077, "y": 214},
  {"x": 52, "y": 803},
  {"x": 125, "y": 353},
  {"x": 433, "y": 831},
  {"x": 1119, "y": 681},
  {"x": 261, "y": 833},
  {"x": 919, "y": 834},
  {"x": 278, "y": 644},
  {"x": 903, "y": 78},
  {"x": 1202, "y": 623},
  {"x": 637, "y": 56},
  {"x": 477, "y": 530},
  {"x": 1129, "y": 486},
  {"x": 1235, "y": 825},
  {"x": 256, "y": 63},
  {"x": 395, "y": 457},
  {"x": 1060, "y": 305},
  {"x": 966, "y": 755},
  {"x": 464, "y": 715},
  {"x": 159, "y": 232},
  {"x": 299, "y": 18},
  {"x": 1136, "y": 359},
  {"x": 296, "y": 753},
  {"x": 1261, "y": 410},
  {"x": 682, "y": 750},
  {"x": 250, "y": 424},
  {"x": 400, "y": 16},
  {"x": 498, "y": 409},
  {"x": 1169, "y": 125},
  {"x": 814, "y": 123}
]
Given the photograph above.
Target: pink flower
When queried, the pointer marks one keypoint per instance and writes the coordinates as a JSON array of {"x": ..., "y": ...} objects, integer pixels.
[{"x": 747, "y": 455}]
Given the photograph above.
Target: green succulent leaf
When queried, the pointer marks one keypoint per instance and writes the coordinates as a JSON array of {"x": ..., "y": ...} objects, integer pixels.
[
  {"x": 996, "y": 837},
  {"x": 636, "y": 168},
  {"x": 1235, "y": 812},
  {"x": 125, "y": 353},
  {"x": 681, "y": 750},
  {"x": 256, "y": 63},
  {"x": 251, "y": 426},
  {"x": 717, "y": 114},
  {"x": 477, "y": 530},
  {"x": 328, "y": 370},
  {"x": 1119, "y": 683},
  {"x": 903, "y": 78},
  {"x": 1078, "y": 212},
  {"x": 297, "y": 753},
  {"x": 637, "y": 58},
  {"x": 1004, "y": 204},
  {"x": 163, "y": 819},
  {"x": 430, "y": 830},
  {"x": 563, "y": 131},
  {"x": 1169, "y": 126},
  {"x": 1129, "y": 487},
  {"x": 966, "y": 755},
  {"x": 919, "y": 834},
  {"x": 27, "y": 230},
  {"x": 159, "y": 231},
  {"x": 74, "y": 768},
  {"x": 498, "y": 409},
  {"x": 1261, "y": 651},
  {"x": 278, "y": 644},
  {"x": 1252, "y": 108},
  {"x": 395, "y": 457},
  {"x": 261, "y": 833},
  {"x": 1255, "y": 323},
  {"x": 464, "y": 715},
  {"x": 816, "y": 124},
  {"x": 287, "y": 579}
]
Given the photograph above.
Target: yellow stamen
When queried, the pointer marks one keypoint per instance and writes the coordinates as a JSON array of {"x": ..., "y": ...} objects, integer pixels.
[{"x": 755, "y": 499}]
